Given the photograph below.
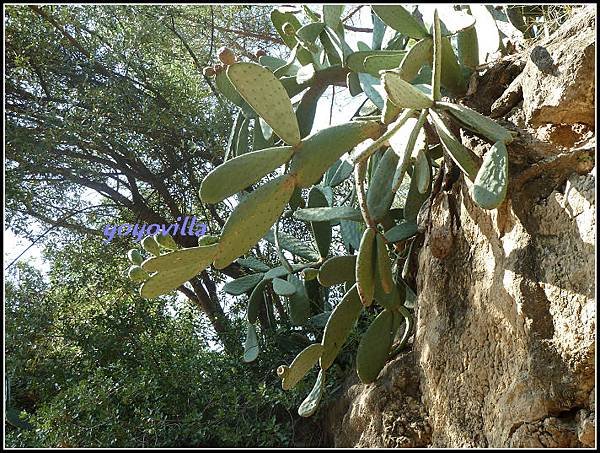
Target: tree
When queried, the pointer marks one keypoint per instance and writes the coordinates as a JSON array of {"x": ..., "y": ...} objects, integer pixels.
[{"x": 109, "y": 101}]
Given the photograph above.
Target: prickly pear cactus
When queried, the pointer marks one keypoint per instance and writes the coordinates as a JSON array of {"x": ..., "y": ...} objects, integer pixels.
[{"x": 361, "y": 188}]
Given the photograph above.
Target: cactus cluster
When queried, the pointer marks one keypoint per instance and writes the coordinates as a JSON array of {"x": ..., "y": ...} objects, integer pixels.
[{"x": 394, "y": 161}]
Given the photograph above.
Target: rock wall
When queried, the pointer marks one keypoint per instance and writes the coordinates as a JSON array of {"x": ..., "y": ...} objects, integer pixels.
[{"x": 504, "y": 346}]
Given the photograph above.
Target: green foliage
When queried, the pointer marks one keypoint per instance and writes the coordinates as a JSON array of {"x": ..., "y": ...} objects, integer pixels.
[{"x": 363, "y": 224}]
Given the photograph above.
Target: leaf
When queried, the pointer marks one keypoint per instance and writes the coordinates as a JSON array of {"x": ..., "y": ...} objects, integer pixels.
[
  {"x": 333, "y": 57},
  {"x": 320, "y": 150},
  {"x": 298, "y": 302},
  {"x": 490, "y": 185},
  {"x": 331, "y": 14},
  {"x": 421, "y": 53},
  {"x": 365, "y": 267},
  {"x": 342, "y": 172},
  {"x": 436, "y": 75},
  {"x": 311, "y": 403},
  {"x": 422, "y": 172},
  {"x": 340, "y": 324},
  {"x": 468, "y": 47},
  {"x": 328, "y": 214},
  {"x": 384, "y": 267},
  {"x": 457, "y": 151},
  {"x": 401, "y": 232},
  {"x": 351, "y": 233},
  {"x": 272, "y": 63},
  {"x": 278, "y": 18},
  {"x": 353, "y": 84},
  {"x": 356, "y": 60},
  {"x": 477, "y": 122},
  {"x": 251, "y": 348},
  {"x": 373, "y": 89},
  {"x": 253, "y": 263},
  {"x": 380, "y": 194},
  {"x": 256, "y": 299},
  {"x": 150, "y": 245},
  {"x": 414, "y": 198},
  {"x": 338, "y": 269},
  {"x": 403, "y": 94},
  {"x": 378, "y": 31},
  {"x": 398, "y": 18},
  {"x": 300, "y": 366},
  {"x": 294, "y": 245},
  {"x": 282, "y": 287},
  {"x": 305, "y": 113},
  {"x": 453, "y": 78},
  {"x": 267, "y": 96},
  {"x": 376, "y": 63},
  {"x": 252, "y": 218},
  {"x": 225, "y": 87},
  {"x": 322, "y": 229},
  {"x": 241, "y": 285},
  {"x": 309, "y": 33},
  {"x": 236, "y": 174},
  {"x": 200, "y": 256},
  {"x": 374, "y": 347}
]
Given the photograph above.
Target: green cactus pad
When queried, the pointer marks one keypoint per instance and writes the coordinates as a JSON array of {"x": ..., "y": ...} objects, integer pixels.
[
  {"x": 468, "y": 48},
  {"x": 374, "y": 347},
  {"x": 137, "y": 274},
  {"x": 384, "y": 266},
  {"x": 279, "y": 18},
  {"x": 339, "y": 326},
  {"x": 436, "y": 73},
  {"x": 398, "y": 18},
  {"x": 415, "y": 198},
  {"x": 365, "y": 267},
  {"x": 311, "y": 403},
  {"x": 310, "y": 274},
  {"x": 267, "y": 96},
  {"x": 422, "y": 172},
  {"x": 457, "y": 151},
  {"x": 491, "y": 183},
  {"x": 380, "y": 194},
  {"x": 166, "y": 241},
  {"x": 135, "y": 257},
  {"x": 401, "y": 232},
  {"x": 194, "y": 256},
  {"x": 252, "y": 218},
  {"x": 282, "y": 287},
  {"x": 303, "y": 249},
  {"x": 298, "y": 303},
  {"x": 403, "y": 94},
  {"x": 243, "y": 284},
  {"x": 338, "y": 269},
  {"x": 251, "y": 348},
  {"x": 452, "y": 77},
  {"x": 237, "y": 174},
  {"x": 254, "y": 302},
  {"x": 320, "y": 150},
  {"x": 375, "y": 63},
  {"x": 328, "y": 214},
  {"x": 418, "y": 55},
  {"x": 477, "y": 122},
  {"x": 253, "y": 263},
  {"x": 301, "y": 365},
  {"x": 356, "y": 61},
  {"x": 150, "y": 245},
  {"x": 321, "y": 230},
  {"x": 165, "y": 281}
]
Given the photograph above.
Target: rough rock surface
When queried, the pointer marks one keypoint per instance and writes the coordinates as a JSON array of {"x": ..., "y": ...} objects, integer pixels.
[{"x": 504, "y": 350}]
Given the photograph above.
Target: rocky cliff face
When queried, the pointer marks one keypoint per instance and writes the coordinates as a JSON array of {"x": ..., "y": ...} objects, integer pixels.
[{"x": 504, "y": 346}]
